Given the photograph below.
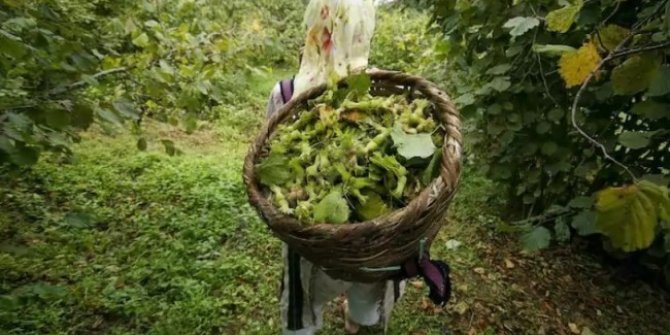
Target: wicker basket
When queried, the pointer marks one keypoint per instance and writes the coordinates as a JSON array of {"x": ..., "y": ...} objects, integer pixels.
[{"x": 367, "y": 251}]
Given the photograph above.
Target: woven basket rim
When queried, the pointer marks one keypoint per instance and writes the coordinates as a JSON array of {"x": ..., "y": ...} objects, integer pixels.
[{"x": 299, "y": 232}]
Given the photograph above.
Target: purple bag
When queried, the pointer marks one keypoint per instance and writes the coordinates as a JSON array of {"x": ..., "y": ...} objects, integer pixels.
[{"x": 286, "y": 89}]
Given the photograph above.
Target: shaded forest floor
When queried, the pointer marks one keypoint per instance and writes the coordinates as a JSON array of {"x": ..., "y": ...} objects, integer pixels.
[{"x": 118, "y": 241}]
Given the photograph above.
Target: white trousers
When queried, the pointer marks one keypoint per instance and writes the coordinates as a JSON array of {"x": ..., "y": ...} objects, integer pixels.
[{"x": 306, "y": 289}]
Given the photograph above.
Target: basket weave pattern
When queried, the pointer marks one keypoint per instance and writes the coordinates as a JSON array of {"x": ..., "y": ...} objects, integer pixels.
[{"x": 345, "y": 250}]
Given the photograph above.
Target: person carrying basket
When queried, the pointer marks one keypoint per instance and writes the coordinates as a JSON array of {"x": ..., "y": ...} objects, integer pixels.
[{"x": 339, "y": 34}]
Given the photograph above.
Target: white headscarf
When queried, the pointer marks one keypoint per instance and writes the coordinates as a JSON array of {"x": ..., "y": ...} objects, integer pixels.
[{"x": 339, "y": 33}]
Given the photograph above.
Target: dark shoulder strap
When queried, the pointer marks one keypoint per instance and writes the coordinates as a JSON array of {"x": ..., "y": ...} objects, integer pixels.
[{"x": 286, "y": 87}]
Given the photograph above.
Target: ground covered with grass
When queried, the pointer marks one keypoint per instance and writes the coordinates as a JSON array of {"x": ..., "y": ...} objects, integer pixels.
[{"x": 121, "y": 241}]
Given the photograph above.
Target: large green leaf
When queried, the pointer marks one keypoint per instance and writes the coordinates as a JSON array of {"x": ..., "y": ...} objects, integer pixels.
[
  {"x": 109, "y": 116},
  {"x": 57, "y": 118},
  {"x": 660, "y": 85},
  {"x": 11, "y": 45},
  {"x": 359, "y": 83},
  {"x": 332, "y": 209},
  {"x": 465, "y": 100},
  {"x": 635, "y": 74},
  {"x": 520, "y": 25},
  {"x": 6, "y": 145},
  {"x": 537, "y": 239},
  {"x": 627, "y": 216},
  {"x": 651, "y": 109},
  {"x": 412, "y": 145},
  {"x": 82, "y": 115},
  {"x": 500, "y": 84},
  {"x": 635, "y": 139},
  {"x": 660, "y": 197},
  {"x": 560, "y": 20},
  {"x": 612, "y": 35},
  {"x": 24, "y": 155},
  {"x": 556, "y": 115},
  {"x": 274, "y": 170},
  {"x": 549, "y": 148},
  {"x": 585, "y": 223},
  {"x": 126, "y": 109},
  {"x": 543, "y": 127}
]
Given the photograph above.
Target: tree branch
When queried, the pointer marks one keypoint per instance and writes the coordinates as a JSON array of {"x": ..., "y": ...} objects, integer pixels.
[
  {"x": 642, "y": 49},
  {"x": 544, "y": 81},
  {"x": 546, "y": 217},
  {"x": 575, "y": 107},
  {"x": 614, "y": 11},
  {"x": 83, "y": 83},
  {"x": 640, "y": 24}
]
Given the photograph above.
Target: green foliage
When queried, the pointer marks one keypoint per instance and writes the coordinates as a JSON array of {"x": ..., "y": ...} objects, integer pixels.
[
  {"x": 402, "y": 42},
  {"x": 170, "y": 246},
  {"x": 47, "y": 50},
  {"x": 560, "y": 20},
  {"x": 521, "y": 25},
  {"x": 111, "y": 241},
  {"x": 65, "y": 64},
  {"x": 502, "y": 70}
]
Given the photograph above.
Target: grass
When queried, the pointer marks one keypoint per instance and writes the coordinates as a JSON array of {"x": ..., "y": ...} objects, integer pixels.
[{"x": 118, "y": 241}]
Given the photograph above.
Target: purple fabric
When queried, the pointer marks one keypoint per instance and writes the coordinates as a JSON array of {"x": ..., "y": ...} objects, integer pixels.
[
  {"x": 286, "y": 87},
  {"x": 435, "y": 274}
]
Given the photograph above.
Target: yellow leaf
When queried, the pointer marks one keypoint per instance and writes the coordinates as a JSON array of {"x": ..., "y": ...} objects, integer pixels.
[
  {"x": 627, "y": 216},
  {"x": 576, "y": 66},
  {"x": 560, "y": 20},
  {"x": 611, "y": 35},
  {"x": 660, "y": 197}
]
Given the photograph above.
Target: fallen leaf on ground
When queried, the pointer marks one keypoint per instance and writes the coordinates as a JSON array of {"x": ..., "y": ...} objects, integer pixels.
[
  {"x": 453, "y": 244},
  {"x": 418, "y": 284},
  {"x": 461, "y": 307},
  {"x": 574, "y": 328},
  {"x": 509, "y": 264}
]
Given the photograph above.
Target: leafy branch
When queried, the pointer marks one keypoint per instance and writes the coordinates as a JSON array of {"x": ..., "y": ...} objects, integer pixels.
[
  {"x": 82, "y": 83},
  {"x": 616, "y": 53},
  {"x": 642, "y": 49}
]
